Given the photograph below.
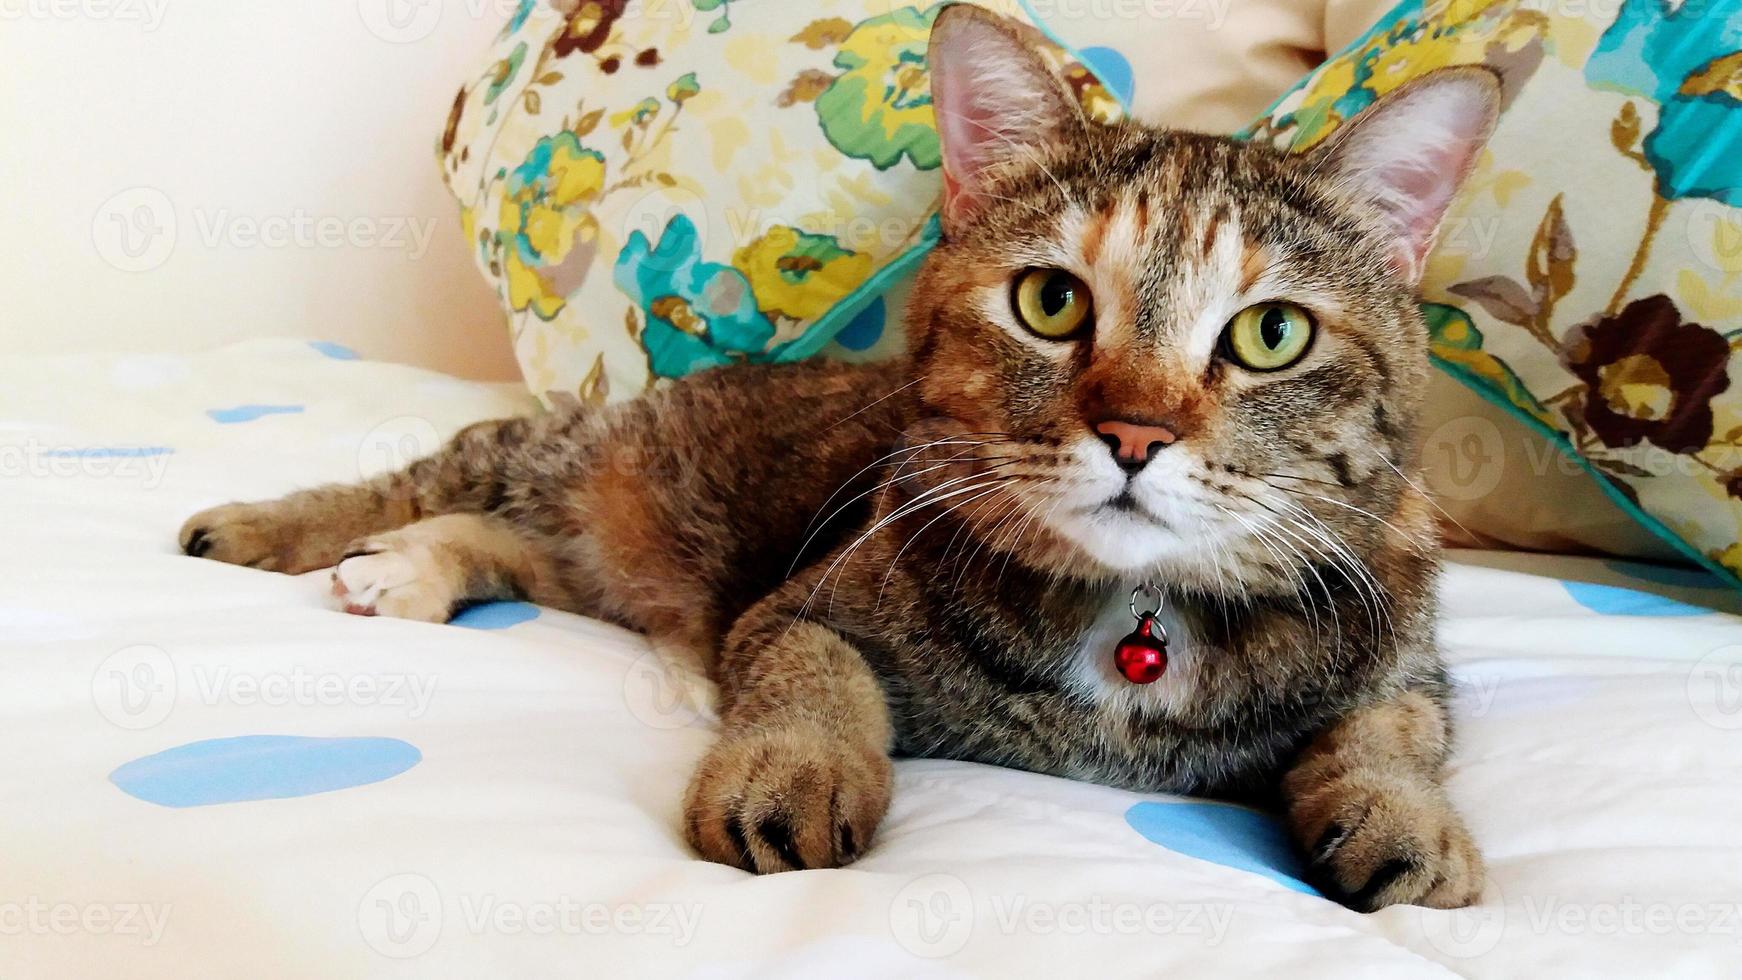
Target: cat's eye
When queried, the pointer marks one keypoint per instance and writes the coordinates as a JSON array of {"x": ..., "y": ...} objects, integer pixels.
[
  {"x": 1052, "y": 303},
  {"x": 1269, "y": 336}
]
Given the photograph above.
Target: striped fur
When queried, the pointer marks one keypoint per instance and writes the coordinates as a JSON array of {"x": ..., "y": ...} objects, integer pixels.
[{"x": 930, "y": 556}]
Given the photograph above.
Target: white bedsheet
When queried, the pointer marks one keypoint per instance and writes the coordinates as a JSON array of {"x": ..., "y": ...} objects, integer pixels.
[{"x": 535, "y": 831}]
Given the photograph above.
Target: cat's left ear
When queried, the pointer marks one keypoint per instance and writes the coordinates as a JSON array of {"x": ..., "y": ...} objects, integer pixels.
[
  {"x": 1408, "y": 154},
  {"x": 996, "y": 103}
]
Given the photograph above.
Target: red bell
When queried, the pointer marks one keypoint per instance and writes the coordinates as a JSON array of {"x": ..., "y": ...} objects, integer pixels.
[{"x": 1142, "y": 655}]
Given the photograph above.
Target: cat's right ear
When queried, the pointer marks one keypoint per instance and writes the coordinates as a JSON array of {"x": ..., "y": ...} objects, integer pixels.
[
  {"x": 1408, "y": 153},
  {"x": 995, "y": 100}
]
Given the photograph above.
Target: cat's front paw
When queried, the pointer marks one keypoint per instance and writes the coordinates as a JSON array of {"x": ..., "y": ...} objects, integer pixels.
[
  {"x": 1374, "y": 840},
  {"x": 396, "y": 576},
  {"x": 787, "y": 799},
  {"x": 258, "y": 535}
]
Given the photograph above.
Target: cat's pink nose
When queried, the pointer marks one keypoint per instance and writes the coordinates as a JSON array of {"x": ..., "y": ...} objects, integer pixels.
[{"x": 1132, "y": 443}]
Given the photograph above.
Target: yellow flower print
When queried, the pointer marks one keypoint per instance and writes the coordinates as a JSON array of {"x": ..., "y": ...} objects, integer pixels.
[
  {"x": 545, "y": 227},
  {"x": 1316, "y": 116},
  {"x": 684, "y": 89},
  {"x": 638, "y": 113},
  {"x": 799, "y": 275},
  {"x": 880, "y": 108},
  {"x": 1417, "y": 55}
]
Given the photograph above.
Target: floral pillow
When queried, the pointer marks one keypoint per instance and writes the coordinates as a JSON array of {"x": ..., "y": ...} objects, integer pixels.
[
  {"x": 656, "y": 189},
  {"x": 1589, "y": 279}
]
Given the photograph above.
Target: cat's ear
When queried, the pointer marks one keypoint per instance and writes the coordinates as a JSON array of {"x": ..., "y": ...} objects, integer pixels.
[
  {"x": 1408, "y": 154},
  {"x": 995, "y": 100}
]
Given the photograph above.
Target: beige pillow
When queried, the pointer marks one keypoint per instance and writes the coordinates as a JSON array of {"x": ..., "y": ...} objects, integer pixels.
[
  {"x": 1210, "y": 65},
  {"x": 1584, "y": 281},
  {"x": 1500, "y": 485}
]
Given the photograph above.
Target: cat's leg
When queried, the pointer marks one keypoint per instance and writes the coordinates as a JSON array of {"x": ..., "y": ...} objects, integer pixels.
[
  {"x": 314, "y": 528},
  {"x": 1366, "y": 805},
  {"x": 801, "y": 775},
  {"x": 430, "y": 569}
]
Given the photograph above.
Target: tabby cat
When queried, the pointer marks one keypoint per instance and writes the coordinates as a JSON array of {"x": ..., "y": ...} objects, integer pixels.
[{"x": 1136, "y": 356}]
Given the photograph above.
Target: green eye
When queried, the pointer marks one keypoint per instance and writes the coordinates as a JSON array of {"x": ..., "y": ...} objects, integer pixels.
[
  {"x": 1052, "y": 303},
  {"x": 1269, "y": 336}
]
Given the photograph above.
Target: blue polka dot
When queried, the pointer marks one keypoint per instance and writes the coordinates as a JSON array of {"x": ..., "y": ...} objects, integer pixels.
[
  {"x": 1681, "y": 578},
  {"x": 248, "y": 413},
  {"x": 261, "y": 767},
  {"x": 1613, "y": 601},
  {"x": 1113, "y": 70},
  {"x": 1223, "y": 834},
  {"x": 496, "y": 615},
  {"x": 338, "y": 352},
  {"x": 863, "y": 330}
]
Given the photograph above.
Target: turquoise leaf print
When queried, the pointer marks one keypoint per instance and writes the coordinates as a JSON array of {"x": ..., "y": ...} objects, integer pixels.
[
  {"x": 1686, "y": 60},
  {"x": 699, "y": 314}
]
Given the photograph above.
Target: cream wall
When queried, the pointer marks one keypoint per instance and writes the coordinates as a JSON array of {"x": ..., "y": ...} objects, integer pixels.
[{"x": 272, "y": 164}]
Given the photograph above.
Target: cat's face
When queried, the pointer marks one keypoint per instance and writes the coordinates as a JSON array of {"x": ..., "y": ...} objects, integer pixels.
[{"x": 1158, "y": 352}]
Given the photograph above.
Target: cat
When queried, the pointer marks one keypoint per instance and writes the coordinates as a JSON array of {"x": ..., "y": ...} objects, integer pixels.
[{"x": 1144, "y": 366}]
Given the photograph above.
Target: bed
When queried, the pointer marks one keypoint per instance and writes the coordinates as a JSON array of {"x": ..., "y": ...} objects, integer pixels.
[{"x": 211, "y": 770}]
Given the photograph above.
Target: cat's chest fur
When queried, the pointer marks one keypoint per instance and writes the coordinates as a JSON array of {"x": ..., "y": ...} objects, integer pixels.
[{"x": 1034, "y": 685}]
